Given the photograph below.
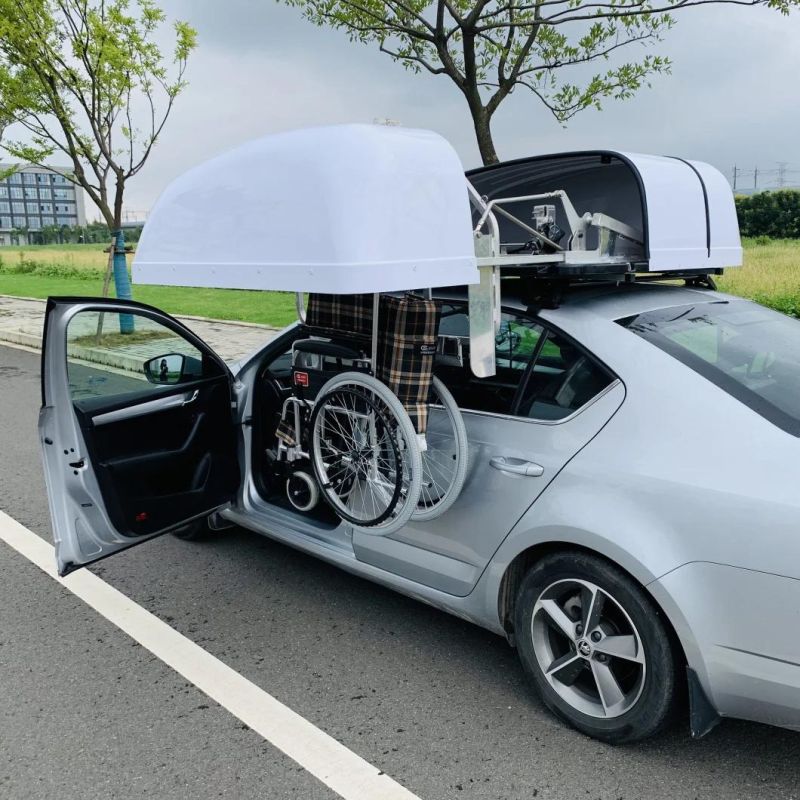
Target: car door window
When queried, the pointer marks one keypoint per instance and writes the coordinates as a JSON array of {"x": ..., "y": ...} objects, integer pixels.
[
  {"x": 515, "y": 342},
  {"x": 104, "y": 364},
  {"x": 563, "y": 379}
]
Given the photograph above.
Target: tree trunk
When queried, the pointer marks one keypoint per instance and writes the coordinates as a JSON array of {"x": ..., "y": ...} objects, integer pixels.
[
  {"x": 481, "y": 119},
  {"x": 122, "y": 281}
]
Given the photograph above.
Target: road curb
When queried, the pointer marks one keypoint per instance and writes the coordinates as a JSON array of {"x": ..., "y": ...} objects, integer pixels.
[{"x": 20, "y": 337}]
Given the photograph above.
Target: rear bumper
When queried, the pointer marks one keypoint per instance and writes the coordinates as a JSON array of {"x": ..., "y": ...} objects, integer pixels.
[{"x": 743, "y": 629}]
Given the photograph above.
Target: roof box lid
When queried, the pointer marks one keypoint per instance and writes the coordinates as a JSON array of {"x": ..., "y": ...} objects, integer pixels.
[
  {"x": 681, "y": 214},
  {"x": 344, "y": 209}
]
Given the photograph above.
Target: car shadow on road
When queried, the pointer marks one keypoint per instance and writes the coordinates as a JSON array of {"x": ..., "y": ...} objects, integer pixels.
[{"x": 371, "y": 666}]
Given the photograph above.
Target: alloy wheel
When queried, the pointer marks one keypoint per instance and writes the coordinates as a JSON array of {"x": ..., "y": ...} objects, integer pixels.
[{"x": 588, "y": 648}]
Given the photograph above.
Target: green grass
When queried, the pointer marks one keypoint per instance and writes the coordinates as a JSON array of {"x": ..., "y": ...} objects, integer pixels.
[
  {"x": 267, "y": 308},
  {"x": 770, "y": 275},
  {"x": 113, "y": 340},
  {"x": 77, "y": 256}
]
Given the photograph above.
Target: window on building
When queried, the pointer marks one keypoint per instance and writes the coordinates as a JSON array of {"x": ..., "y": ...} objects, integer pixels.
[
  {"x": 31, "y": 194},
  {"x": 18, "y": 208},
  {"x": 5, "y": 222},
  {"x": 3, "y": 191},
  {"x": 5, "y": 208},
  {"x": 64, "y": 194},
  {"x": 34, "y": 223},
  {"x": 70, "y": 221},
  {"x": 46, "y": 208},
  {"x": 43, "y": 178},
  {"x": 16, "y": 193},
  {"x": 28, "y": 177},
  {"x": 32, "y": 208},
  {"x": 60, "y": 179},
  {"x": 65, "y": 208},
  {"x": 47, "y": 221},
  {"x": 15, "y": 178},
  {"x": 45, "y": 192},
  {"x": 19, "y": 222}
]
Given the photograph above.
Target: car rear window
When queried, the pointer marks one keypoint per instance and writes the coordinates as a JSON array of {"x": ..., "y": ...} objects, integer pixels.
[{"x": 750, "y": 352}]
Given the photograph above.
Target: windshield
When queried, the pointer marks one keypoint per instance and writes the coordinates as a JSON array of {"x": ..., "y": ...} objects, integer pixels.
[{"x": 749, "y": 351}]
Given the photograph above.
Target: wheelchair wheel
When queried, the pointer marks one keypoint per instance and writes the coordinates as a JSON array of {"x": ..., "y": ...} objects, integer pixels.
[
  {"x": 365, "y": 453},
  {"x": 444, "y": 463}
]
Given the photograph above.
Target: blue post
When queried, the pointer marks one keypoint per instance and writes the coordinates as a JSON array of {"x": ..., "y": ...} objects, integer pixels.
[{"x": 122, "y": 281}]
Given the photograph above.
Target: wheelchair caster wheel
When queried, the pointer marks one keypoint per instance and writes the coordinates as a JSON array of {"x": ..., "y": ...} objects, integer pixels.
[{"x": 302, "y": 491}]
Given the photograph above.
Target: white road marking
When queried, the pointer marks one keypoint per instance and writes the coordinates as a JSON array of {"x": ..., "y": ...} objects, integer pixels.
[{"x": 338, "y": 767}]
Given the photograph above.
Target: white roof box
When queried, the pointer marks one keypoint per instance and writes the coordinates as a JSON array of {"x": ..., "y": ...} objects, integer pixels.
[
  {"x": 345, "y": 209},
  {"x": 644, "y": 213}
]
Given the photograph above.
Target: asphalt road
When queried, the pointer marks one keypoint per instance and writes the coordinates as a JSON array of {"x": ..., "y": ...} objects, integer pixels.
[{"x": 436, "y": 703}]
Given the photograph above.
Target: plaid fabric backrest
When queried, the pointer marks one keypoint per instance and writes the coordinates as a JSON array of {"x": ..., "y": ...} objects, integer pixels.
[
  {"x": 408, "y": 325},
  {"x": 340, "y": 314},
  {"x": 407, "y": 344}
]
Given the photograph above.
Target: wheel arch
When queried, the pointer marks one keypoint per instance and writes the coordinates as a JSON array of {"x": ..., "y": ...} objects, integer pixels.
[
  {"x": 525, "y": 559},
  {"x": 703, "y": 715}
]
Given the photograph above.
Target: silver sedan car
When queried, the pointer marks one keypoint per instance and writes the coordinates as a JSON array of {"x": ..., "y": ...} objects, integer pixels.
[{"x": 629, "y": 521}]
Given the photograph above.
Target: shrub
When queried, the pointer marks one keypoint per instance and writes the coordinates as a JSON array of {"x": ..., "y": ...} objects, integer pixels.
[
  {"x": 785, "y": 303},
  {"x": 770, "y": 215},
  {"x": 27, "y": 266}
]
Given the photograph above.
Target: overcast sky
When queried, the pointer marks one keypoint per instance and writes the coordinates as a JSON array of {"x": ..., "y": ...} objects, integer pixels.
[{"x": 259, "y": 67}]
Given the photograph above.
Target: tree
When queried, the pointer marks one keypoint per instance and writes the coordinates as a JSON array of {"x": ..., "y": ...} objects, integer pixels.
[
  {"x": 489, "y": 48},
  {"x": 20, "y": 235},
  {"x": 74, "y": 75}
]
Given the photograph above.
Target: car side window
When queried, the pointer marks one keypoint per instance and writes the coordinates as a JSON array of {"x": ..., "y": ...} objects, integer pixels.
[
  {"x": 103, "y": 362},
  {"x": 562, "y": 380},
  {"x": 515, "y": 343}
]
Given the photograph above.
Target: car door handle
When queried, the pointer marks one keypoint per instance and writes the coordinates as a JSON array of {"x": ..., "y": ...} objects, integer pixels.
[
  {"x": 517, "y": 466},
  {"x": 194, "y": 395}
]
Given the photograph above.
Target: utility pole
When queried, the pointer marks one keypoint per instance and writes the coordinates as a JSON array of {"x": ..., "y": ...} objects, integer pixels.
[
  {"x": 735, "y": 176},
  {"x": 755, "y": 180},
  {"x": 782, "y": 166}
]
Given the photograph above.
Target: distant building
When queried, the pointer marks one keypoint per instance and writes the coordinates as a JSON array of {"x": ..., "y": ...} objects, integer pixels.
[{"x": 34, "y": 198}]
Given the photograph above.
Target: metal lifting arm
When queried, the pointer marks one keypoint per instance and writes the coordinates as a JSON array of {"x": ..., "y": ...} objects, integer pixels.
[{"x": 578, "y": 224}]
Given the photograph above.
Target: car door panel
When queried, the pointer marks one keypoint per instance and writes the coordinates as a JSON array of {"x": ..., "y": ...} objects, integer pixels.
[
  {"x": 513, "y": 457},
  {"x": 142, "y": 409},
  {"x": 126, "y": 459},
  {"x": 493, "y": 500},
  {"x": 164, "y": 455}
]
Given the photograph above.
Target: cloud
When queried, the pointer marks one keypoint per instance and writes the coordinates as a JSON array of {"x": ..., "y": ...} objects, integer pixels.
[{"x": 260, "y": 68}]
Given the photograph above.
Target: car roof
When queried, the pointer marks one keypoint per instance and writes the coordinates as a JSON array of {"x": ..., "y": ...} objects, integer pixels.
[
  {"x": 609, "y": 301},
  {"x": 618, "y": 301}
]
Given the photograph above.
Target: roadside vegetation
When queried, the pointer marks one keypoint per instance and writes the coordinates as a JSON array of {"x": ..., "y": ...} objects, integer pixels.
[
  {"x": 770, "y": 275},
  {"x": 771, "y": 213},
  {"x": 39, "y": 272}
]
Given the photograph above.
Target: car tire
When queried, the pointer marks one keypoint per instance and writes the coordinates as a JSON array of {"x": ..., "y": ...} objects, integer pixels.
[
  {"x": 596, "y": 648},
  {"x": 198, "y": 529}
]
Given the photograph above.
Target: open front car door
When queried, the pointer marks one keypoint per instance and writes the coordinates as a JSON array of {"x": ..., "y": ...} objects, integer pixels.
[{"x": 136, "y": 427}]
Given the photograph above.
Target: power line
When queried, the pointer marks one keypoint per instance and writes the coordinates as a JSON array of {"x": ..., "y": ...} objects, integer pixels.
[{"x": 785, "y": 175}]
